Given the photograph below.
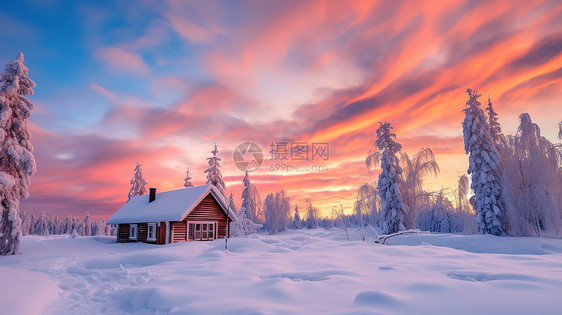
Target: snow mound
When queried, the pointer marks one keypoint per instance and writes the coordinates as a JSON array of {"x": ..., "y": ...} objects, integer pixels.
[
  {"x": 375, "y": 298},
  {"x": 26, "y": 292},
  {"x": 483, "y": 243}
]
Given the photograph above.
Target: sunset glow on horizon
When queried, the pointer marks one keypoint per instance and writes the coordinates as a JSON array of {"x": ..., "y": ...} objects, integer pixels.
[{"x": 160, "y": 82}]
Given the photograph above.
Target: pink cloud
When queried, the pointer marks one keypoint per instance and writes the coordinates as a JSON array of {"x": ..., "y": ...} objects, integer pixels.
[{"x": 120, "y": 59}]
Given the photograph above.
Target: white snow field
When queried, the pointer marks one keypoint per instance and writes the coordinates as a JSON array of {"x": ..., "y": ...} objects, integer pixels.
[{"x": 294, "y": 272}]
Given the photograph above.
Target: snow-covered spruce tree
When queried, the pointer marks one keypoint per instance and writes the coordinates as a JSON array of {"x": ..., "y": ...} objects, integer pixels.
[
  {"x": 87, "y": 225},
  {"x": 311, "y": 215},
  {"x": 187, "y": 181},
  {"x": 393, "y": 209},
  {"x": 56, "y": 225},
  {"x": 484, "y": 166},
  {"x": 495, "y": 128},
  {"x": 251, "y": 200},
  {"x": 231, "y": 204},
  {"x": 27, "y": 222},
  {"x": 137, "y": 183},
  {"x": 244, "y": 225},
  {"x": 214, "y": 175},
  {"x": 42, "y": 224},
  {"x": 68, "y": 224},
  {"x": 17, "y": 163},
  {"x": 297, "y": 222},
  {"x": 532, "y": 178}
]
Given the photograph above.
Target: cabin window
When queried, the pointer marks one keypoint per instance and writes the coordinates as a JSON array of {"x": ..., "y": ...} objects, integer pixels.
[
  {"x": 133, "y": 232},
  {"x": 197, "y": 231},
  {"x": 202, "y": 231},
  {"x": 151, "y": 232},
  {"x": 191, "y": 230},
  {"x": 204, "y": 235}
]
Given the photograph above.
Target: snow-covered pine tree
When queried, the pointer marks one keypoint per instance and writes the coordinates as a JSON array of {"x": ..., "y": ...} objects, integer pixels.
[
  {"x": 214, "y": 175},
  {"x": 393, "y": 209},
  {"x": 56, "y": 225},
  {"x": 87, "y": 225},
  {"x": 17, "y": 163},
  {"x": 42, "y": 224},
  {"x": 247, "y": 196},
  {"x": 244, "y": 225},
  {"x": 311, "y": 215},
  {"x": 297, "y": 222},
  {"x": 495, "y": 128},
  {"x": 68, "y": 224},
  {"x": 187, "y": 182},
  {"x": 138, "y": 183},
  {"x": 27, "y": 222},
  {"x": 484, "y": 166},
  {"x": 231, "y": 204}
]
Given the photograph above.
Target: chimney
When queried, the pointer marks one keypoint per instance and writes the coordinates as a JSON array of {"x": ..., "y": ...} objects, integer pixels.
[{"x": 152, "y": 195}]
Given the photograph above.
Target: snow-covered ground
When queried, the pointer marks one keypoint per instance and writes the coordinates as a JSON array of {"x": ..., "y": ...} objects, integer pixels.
[{"x": 295, "y": 272}]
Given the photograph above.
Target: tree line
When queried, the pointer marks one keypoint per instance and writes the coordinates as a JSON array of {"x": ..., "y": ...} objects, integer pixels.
[{"x": 43, "y": 224}]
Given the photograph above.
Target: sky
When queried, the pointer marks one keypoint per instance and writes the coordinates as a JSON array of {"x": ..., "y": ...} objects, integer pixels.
[{"x": 160, "y": 82}]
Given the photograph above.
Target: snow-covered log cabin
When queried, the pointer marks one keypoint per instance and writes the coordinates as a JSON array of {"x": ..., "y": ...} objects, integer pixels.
[{"x": 190, "y": 214}]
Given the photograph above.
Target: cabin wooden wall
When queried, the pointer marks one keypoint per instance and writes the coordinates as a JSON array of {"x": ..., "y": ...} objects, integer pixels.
[
  {"x": 142, "y": 233},
  {"x": 124, "y": 230}
]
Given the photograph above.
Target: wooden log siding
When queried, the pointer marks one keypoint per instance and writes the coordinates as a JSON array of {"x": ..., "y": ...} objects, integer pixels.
[
  {"x": 142, "y": 232},
  {"x": 179, "y": 232},
  {"x": 125, "y": 229},
  {"x": 123, "y": 233}
]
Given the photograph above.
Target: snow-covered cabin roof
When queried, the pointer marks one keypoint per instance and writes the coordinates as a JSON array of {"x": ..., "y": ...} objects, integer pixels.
[{"x": 171, "y": 205}]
